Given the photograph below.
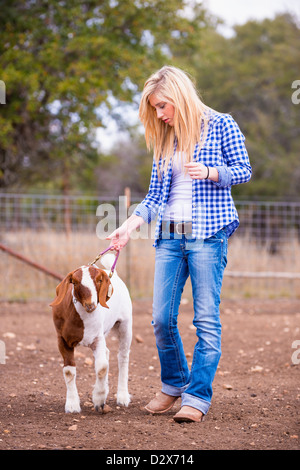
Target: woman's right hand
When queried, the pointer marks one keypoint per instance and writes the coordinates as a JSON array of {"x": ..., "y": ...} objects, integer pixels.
[{"x": 121, "y": 236}]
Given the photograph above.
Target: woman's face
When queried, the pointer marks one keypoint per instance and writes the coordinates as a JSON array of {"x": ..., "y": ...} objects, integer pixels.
[{"x": 164, "y": 110}]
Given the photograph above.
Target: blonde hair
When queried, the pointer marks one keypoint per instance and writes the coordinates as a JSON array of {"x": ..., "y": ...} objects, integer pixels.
[{"x": 173, "y": 86}]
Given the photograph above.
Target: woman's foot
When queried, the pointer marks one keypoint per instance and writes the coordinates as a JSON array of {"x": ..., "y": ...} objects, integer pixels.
[
  {"x": 161, "y": 403},
  {"x": 188, "y": 414}
]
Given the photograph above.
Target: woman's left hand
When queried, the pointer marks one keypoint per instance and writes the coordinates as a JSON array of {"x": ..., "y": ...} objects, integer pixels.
[{"x": 196, "y": 170}]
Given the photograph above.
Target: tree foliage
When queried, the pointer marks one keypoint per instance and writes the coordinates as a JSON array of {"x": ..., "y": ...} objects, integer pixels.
[
  {"x": 65, "y": 63},
  {"x": 250, "y": 76},
  {"x": 61, "y": 61}
]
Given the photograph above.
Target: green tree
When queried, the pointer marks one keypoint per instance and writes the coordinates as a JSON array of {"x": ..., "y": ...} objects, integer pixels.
[{"x": 61, "y": 62}]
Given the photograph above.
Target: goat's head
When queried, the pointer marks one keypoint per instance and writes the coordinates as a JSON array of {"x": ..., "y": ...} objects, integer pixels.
[{"x": 90, "y": 286}]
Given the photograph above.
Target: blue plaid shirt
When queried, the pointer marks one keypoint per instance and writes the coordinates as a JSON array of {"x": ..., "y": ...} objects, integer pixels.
[{"x": 212, "y": 204}]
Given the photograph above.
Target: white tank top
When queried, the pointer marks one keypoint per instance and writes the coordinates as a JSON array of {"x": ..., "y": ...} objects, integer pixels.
[{"x": 179, "y": 205}]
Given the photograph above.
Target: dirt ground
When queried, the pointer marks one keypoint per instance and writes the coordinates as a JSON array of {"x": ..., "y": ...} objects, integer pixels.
[{"x": 256, "y": 389}]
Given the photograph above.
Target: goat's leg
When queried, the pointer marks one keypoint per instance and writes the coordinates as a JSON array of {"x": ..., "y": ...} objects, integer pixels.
[
  {"x": 125, "y": 336},
  {"x": 100, "y": 392},
  {"x": 72, "y": 401},
  {"x": 72, "y": 404}
]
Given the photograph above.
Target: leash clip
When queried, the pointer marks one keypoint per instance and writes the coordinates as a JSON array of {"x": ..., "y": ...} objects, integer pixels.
[{"x": 114, "y": 263}]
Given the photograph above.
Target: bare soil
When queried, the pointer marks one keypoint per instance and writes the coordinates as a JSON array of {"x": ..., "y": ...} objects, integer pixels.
[{"x": 256, "y": 388}]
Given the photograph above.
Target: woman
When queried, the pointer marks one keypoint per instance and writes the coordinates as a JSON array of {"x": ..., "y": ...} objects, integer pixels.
[{"x": 198, "y": 155}]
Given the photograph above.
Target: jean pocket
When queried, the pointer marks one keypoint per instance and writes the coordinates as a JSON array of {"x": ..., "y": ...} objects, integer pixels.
[
  {"x": 217, "y": 245},
  {"x": 194, "y": 244},
  {"x": 220, "y": 235}
]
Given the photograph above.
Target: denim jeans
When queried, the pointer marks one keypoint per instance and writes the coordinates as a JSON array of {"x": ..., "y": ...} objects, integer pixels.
[{"x": 204, "y": 261}]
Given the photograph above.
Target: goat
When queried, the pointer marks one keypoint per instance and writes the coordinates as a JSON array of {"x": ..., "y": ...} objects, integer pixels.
[{"x": 87, "y": 306}]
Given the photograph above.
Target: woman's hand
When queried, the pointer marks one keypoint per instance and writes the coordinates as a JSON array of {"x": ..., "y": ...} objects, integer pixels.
[
  {"x": 121, "y": 236},
  {"x": 198, "y": 171}
]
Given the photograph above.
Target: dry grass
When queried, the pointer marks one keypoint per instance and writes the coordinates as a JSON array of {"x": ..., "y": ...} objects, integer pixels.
[{"x": 62, "y": 254}]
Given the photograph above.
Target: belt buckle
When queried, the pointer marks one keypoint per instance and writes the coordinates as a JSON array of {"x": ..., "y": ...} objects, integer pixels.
[
  {"x": 186, "y": 228},
  {"x": 182, "y": 225}
]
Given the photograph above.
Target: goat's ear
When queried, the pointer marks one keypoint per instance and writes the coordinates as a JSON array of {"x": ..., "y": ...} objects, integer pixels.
[
  {"x": 61, "y": 290},
  {"x": 106, "y": 288}
]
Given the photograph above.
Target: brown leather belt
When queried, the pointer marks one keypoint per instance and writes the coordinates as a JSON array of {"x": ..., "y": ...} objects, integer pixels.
[{"x": 181, "y": 228}]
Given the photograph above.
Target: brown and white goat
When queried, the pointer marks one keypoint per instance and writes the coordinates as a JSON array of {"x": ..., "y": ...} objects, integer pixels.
[{"x": 88, "y": 305}]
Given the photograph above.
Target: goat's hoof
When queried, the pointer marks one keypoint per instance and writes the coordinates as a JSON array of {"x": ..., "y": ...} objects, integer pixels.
[
  {"x": 98, "y": 408},
  {"x": 72, "y": 408},
  {"x": 99, "y": 396},
  {"x": 123, "y": 398},
  {"x": 103, "y": 408},
  {"x": 99, "y": 400}
]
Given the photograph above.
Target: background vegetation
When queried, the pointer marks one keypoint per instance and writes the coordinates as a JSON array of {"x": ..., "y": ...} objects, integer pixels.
[{"x": 68, "y": 65}]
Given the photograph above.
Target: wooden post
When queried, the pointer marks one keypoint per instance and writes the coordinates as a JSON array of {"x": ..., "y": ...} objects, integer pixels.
[{"x": 66, "y": 192}]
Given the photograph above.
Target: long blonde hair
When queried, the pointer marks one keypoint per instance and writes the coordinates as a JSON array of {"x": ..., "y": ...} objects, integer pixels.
[{"x": 173, "y": 86}]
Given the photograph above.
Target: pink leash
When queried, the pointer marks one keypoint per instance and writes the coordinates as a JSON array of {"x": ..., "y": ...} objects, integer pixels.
[{"x": 114, "y": 264}]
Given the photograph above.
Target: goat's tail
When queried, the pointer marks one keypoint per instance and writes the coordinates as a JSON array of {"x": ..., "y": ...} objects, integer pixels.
[{"x": 108, "y": 260}]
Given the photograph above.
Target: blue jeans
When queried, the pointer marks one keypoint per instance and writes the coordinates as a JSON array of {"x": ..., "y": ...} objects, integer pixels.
[{"x": 204, "y": 260}]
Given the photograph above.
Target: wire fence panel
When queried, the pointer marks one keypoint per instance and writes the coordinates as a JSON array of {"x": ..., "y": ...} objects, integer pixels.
[
  {"x": 62, "y": 233},
  {"x": 42, "y": 212}
]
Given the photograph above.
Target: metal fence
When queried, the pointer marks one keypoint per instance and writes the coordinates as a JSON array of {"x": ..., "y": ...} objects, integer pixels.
[{"x": 58, "y": 231}]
